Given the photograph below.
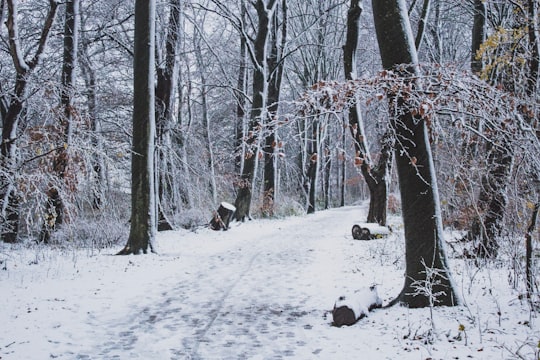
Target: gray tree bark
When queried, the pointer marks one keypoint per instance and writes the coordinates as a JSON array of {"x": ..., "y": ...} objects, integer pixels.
[
  {"x": 275, "y": 66},
  {"x": 425, "y": 259},
  {"x": 478, "y": 34},
  {"x": 375, "y": 175},
  {"x": 258, "y": 109},
  {"x": 143, "y": 206}
]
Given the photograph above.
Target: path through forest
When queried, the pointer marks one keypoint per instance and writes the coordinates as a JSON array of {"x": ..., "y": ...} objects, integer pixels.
[
  {"x": 262, "y": 290},
  {"x": 261, "y": 295}
]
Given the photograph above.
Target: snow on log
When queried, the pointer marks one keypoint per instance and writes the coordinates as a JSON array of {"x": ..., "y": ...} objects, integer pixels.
[
  {"x": 369, "y": 231},
  {"x": 222, "y": 217},
  {"x": 349, "y": 309}
]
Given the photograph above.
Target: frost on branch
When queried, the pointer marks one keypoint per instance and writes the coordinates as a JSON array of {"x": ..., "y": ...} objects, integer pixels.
[{"x": 442, "y": 96}]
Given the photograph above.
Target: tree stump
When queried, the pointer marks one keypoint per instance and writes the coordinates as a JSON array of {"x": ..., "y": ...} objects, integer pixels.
[{"x": 222, "y": 217}]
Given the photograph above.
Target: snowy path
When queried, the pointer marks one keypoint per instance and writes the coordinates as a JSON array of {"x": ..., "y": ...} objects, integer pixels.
[
  {"x": 253, "y": 296},
  {"x": 259, "y": 291}
]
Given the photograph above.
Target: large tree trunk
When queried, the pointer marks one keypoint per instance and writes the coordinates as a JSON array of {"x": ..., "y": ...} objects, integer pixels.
[
  {"x": 425, "y": 259},
  {"x": 143, "y": 205},
  {"x": 376, "y": 176},
  {"x": 343, "y": 171},
  {"x": 258, "y": 109}
]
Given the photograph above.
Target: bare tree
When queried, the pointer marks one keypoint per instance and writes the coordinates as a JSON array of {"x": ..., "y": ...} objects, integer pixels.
[
  {"x": 55, "y": 208},
  {"x": 377, "y": 176},
  {"x": 259, "y": 57},
  {"x": 424, "y": 244},
  {"x": 143, "y": 205},
  {"x": 166, "y": 84},
  {"x": 14, "y": 111},
  {"x": 315, "y": 28},
  {"x": 276, "y": 65},
  {"x": 88, "y": 73}
]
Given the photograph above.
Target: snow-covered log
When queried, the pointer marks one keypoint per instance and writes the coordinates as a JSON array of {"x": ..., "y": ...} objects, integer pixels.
[
  {"x": 369, "y": 231},
  {"x": 222, "y": 217},
  {"x": 349, "y": 309}
]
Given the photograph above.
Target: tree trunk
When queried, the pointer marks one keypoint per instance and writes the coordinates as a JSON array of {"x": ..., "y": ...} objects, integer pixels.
[
  {"x": 436, "y": 53},
  {"x": 327, "y": 168},
  {"x": 9, "y": 206},
  {"x": 205, "y": 118},
  {"x": 532, "y": 86},
  {"x": 534, "y": 59},
  {"x": 180, "y": 140},
  {"x": 422, "y": 24},
  {"x": 143, "y": 205},
  {"x": 55, "y": 207},
  {"x": 310, "y": 181},
  {"x": 240, "y": 96},
  {"x": 492, "y": 201},
  {"x": 258, "y": 109},
  {"x": 376, "y": 176},
  {"x": 166, "y": 79},
  {"x": 8, "y": 153},
  {"x": 528, "y": 251},
  {"x": 343, "y": 170},
  {"x": 424, "y": 246},
  {"x": 222, "y": 217},
  {"x": 478, "y": 35},
  {"x": 275, "y": 66},
  {"x": 486, "y": 227},
  {"x": 88, "y": 73}
]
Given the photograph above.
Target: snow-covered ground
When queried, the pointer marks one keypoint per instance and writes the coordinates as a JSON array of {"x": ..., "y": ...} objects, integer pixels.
[{"x": 262, "y": 290}]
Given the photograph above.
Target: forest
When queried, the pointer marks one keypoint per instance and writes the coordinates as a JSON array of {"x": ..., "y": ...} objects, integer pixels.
[{"x": 122, "y": 118}]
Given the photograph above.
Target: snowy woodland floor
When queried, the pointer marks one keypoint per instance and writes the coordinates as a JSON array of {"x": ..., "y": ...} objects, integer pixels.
[{"x": 262, "y": 290}]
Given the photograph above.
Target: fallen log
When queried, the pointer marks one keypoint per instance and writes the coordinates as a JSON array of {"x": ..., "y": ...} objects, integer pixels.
[{"x": 349, "y": 309}]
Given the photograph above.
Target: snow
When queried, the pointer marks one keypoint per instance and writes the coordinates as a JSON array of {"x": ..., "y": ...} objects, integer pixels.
[
  {"x": 265, "y": 289},
  {"x": 375, "y": 228},
  {"x": 228, "y": 206},
  {"x": 360, "y": 302}
]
